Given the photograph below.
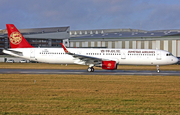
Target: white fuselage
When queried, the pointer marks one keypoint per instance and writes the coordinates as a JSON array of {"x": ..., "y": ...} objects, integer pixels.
[{"x": 121, "y": 56}]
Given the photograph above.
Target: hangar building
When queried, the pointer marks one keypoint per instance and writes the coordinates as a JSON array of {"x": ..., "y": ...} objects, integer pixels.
[
  {"x": 107, "y": 38},
  {"x": 168, "y": 40},
  {"x": 39, "y": 37}
]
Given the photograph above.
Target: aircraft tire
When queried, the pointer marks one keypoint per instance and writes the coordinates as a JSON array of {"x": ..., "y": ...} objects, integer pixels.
[
  {"x": 90, "y": 69},
  {"x": 158, "y": 71}
]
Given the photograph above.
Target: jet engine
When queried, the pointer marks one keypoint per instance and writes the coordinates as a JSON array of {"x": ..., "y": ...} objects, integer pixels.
[{"x": 109, "y": 65}]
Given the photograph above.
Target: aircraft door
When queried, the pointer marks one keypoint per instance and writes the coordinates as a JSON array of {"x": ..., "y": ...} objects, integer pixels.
[
  {"x": 158, "y": 55},
  {"x": 32, "y": 53},
  {"x": 123, "y": 55}
]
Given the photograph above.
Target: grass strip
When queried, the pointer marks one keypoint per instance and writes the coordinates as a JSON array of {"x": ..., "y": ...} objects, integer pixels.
[{"x": 89, "y": 94}]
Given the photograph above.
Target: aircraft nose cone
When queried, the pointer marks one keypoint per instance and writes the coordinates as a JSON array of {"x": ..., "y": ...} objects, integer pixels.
[
  {"x": 176, "y": 60},
  {"x": 173, "y": 60}
]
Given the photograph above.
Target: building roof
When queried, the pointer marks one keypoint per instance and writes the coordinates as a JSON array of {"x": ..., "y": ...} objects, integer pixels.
[
  {"x": 61, "y": 32},
  {"x": 121, "y": 33},
  {"x": 39, "y": 30},
  {"x": 53, "y": 32}
]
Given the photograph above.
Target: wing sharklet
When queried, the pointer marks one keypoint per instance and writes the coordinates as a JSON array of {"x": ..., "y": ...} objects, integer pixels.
[{"x": 66, "y": 51}]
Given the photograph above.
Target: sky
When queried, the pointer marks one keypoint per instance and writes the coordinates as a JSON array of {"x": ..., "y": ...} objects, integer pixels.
[{"x": 91, "y": 14}]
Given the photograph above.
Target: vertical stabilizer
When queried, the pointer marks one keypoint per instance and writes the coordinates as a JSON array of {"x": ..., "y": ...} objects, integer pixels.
[{"x": 15, "y": 38}]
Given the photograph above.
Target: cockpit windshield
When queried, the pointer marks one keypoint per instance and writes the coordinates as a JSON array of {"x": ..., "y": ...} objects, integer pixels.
[{"x": 169, "y": 54}]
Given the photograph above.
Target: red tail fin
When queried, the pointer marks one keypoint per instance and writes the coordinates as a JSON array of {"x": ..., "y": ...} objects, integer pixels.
[{"x": 15, "y": 38}]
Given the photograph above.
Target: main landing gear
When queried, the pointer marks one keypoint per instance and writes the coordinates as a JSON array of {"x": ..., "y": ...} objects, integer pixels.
[
  {"x": 158, "y": 69},
  {"x": 90, "y": 69}
]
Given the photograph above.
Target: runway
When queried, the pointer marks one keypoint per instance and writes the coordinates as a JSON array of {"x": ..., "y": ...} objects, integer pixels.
[{"x": 84, "y": 72}]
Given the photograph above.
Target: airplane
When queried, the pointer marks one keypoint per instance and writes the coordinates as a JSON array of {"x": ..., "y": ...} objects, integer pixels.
[{"x": 105, "y": 58}]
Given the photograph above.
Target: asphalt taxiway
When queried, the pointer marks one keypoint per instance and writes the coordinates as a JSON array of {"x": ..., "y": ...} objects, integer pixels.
[{"x": 84, "y": 72}]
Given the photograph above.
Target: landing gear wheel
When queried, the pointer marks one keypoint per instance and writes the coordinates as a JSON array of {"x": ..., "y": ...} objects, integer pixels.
[
  {"x": 90, "y": 69},
  {"x": 158, "y": 69}
]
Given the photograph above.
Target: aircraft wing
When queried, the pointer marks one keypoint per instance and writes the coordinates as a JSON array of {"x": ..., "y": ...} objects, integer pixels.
[{"x": 87, "y": 59}]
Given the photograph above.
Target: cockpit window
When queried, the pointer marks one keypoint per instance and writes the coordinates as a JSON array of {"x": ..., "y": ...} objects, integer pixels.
[{"x": 169, "y": 54}]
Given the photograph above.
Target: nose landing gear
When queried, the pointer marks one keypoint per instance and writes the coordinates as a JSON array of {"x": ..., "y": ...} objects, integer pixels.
[{"x": 158, "y": 69}]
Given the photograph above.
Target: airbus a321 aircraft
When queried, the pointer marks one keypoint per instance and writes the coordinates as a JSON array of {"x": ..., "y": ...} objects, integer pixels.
[{"x": 101, "y": 57}]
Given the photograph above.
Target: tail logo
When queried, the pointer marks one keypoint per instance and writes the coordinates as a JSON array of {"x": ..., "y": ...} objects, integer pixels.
[{"x": 15, "y": 38}]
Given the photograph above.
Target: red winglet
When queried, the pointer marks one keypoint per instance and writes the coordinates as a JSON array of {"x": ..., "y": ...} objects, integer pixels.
[
  {"x": 64, "y": 48},
  {"x": 15, "y": 38}
]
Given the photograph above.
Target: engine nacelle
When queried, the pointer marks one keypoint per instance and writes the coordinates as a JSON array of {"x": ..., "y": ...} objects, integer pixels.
[{"x": 109, "y": 65}]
